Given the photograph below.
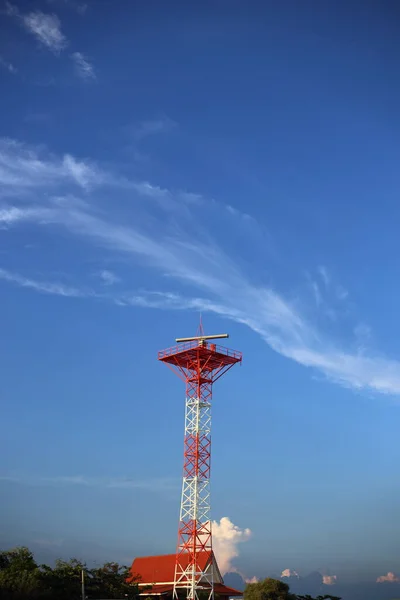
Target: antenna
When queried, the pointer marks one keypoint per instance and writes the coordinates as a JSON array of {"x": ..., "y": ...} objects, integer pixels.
[{"x": 202, "y": 337}]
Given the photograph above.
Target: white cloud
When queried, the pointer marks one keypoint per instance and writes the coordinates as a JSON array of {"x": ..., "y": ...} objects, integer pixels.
[
  {"x": 289, "y": 573},
  {"x": 81, "y": 172},
  {"x": 23, "y": 167},
  {"x": 252, "y": 580},
  {"x": 83, "y": 67},
  {"x": 262, "y": 309},
  {"x": 324, "y": 292},
  {"x": 388, "y": 578},
  {"x": 143, "y": 299},
  {"x": 108, "y": 277},
  {"x": 329, "y": 579},
  {"x": 180, "y": 201},
  {"x": 7, "y": 65},
  {"x": 153, "y": 191},
  {"x": 47, "y": 29},
  {"x": 184, "y": 250},
  {"x": 13, "y": 214},
  {"x": 226, "y": 539},
  {"x": 57, "y": 289}
]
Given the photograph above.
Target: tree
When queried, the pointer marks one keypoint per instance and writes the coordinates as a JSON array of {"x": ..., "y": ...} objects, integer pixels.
[
  {"x": 274, "y": 589},
  {"x": 22, "y": 579},
  {"x": 110, "y": 581},
  {"x": 19, "y": 575},
  {"x": 268, "y": 589},
  {"x": 64, "y": 581}
]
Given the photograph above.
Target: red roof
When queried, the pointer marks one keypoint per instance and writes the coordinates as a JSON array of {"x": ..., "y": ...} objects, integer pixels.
[
  {"x": 161, "y": 569},
  {"x": 158, "y": 573}
]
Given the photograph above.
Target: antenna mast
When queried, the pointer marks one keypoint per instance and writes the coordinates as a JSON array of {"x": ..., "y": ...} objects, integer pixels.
[{"x": 199, "y": 363}]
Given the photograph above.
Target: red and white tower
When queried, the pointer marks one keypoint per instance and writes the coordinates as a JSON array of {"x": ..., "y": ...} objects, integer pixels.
[{"x": 199, "y": 363}]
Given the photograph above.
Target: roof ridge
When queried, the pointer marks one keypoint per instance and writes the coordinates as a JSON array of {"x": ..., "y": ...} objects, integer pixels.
[{"x": 169, "y": 554}]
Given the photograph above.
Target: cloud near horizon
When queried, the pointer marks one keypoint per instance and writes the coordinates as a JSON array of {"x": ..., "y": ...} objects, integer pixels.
[
  {"x": 388, "y": 578},
  {"x": 329, "y": 579},
  {"x": 289, "y": 573},
  {"x": 39, "y": 189},
  {"x": 226, "y": 539}
]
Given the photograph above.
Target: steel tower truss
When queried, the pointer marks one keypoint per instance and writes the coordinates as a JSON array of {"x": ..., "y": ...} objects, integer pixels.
[{"x": 199, "y": 364}]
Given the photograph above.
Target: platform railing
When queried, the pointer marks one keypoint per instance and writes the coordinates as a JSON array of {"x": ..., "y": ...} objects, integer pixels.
[{"x": 184, "y": 347}]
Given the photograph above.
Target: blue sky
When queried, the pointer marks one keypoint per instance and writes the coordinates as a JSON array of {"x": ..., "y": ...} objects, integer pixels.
[{"x": 158, "y": 160}]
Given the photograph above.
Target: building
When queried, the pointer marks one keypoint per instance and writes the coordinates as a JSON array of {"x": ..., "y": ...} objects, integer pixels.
[{"x": 155, "y": 575}]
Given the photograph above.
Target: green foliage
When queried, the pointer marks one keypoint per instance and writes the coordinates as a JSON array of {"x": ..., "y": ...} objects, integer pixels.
[
  {"x": 274, "y": 589},
  {"x": 268, "y": 589},
  {"x": 19, "y": 575},
  {"x": 22, "y": 579},
  {"x": 109, "y": 581},
  {"x": 64, "y": 580}
]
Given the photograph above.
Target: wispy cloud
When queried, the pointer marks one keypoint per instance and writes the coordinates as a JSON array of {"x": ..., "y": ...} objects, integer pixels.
[
  {"x": 57, "y": 289},
  {"x": 45, "y": 27},
  {"x": 108, "y": 277},
  {"x": 47, "y": 30},
  {"x": 11, "y": 215},
  {"x": 153, "y": 127},
  {"x": 327, "y": 293},
  {"x": 23, "y": 167},
  {"x": 143, "y": 298},
  {"x": 83, "y": 67},
  {"x": 162, "y": 484},
  {"x": 317, "y": 293},
  {"x": 323, "y": 271},
  {"x": 185, "y": 251},
  {"x": 7, "y": 65}
]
